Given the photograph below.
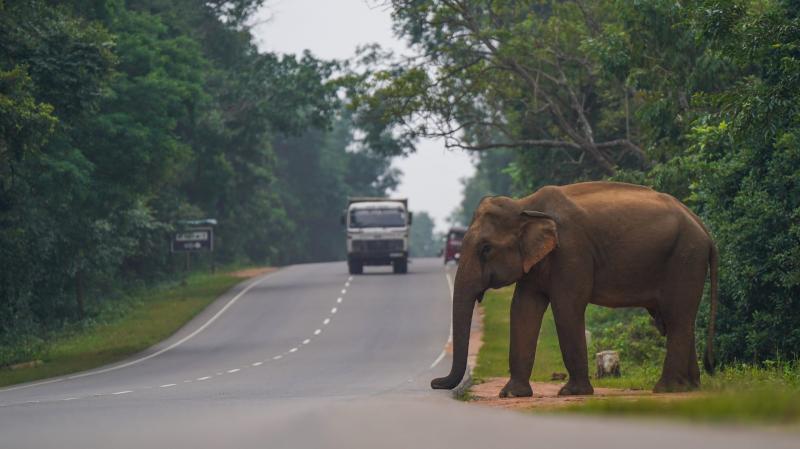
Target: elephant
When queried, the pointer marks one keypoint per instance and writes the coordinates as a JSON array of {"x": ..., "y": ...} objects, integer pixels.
[{"x": 605, "y": 243}]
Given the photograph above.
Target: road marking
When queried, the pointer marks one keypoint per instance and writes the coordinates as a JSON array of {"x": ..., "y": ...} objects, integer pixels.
[
  {"x": 347, "y": 284},
  {"x": 438, "y": 359},
  {"x": 450, "y": 337},
  {"x": 293, "y": 350},
  {"x": 327, "y": 320},
  {"x": 333, "y": 310},
  {"x": 344, "y": 290},
  {"x": 235, "y": 370},
  {"x": 188, "y": 381},
  {"x": 122, "y": 392},
  {"x": 338, "y": 300},
  {"x": 277, "y": 357},
  {"x": 350, "y": 279},
  {"x": 183, "y": 340},
  {"x": 317, "y": 332},
  {"x": 69, "y": 399},
  {"x": 306, "y": 341},
  {"x": 167, "y": 385},
  {"x": 257, "y": 363}
]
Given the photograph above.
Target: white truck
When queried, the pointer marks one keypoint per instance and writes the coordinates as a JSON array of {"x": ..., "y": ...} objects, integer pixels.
[{"x": 377, "y": 233}]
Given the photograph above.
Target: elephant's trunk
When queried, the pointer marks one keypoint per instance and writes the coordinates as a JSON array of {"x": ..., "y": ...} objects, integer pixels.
[{"x": 463, "y": 304}]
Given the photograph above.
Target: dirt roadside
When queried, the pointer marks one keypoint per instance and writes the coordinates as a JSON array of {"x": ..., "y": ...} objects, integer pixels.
[{"x": 253, "y": 272}]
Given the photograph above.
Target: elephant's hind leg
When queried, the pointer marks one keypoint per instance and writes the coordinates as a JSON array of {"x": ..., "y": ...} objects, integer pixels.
[{"x": 527, "y": 309}]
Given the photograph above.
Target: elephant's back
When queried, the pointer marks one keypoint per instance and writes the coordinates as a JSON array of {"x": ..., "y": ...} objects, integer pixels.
[{"x": 624, "y": 217}]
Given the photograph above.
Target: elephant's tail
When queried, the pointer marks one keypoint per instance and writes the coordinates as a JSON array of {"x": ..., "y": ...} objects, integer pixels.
[{"x": 708, "y": 357}]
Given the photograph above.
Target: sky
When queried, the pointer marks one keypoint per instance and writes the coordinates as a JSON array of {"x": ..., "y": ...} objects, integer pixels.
[{"x": 332, "y": 29}]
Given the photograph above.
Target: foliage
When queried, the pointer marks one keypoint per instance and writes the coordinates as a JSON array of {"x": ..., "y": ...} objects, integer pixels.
[
  {"x": 423, "y": 240},
  {"x": 629, "y": 331},
  {"x": 698, "y": 99},
  {"x": 118, "y": 119}
]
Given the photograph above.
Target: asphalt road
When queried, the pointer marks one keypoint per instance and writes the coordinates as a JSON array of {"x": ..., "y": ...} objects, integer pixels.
[{"x": 311, "y": 357}]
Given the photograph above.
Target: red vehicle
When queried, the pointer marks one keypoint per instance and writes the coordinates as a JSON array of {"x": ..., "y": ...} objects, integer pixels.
[{"x": 452, "y": 245}]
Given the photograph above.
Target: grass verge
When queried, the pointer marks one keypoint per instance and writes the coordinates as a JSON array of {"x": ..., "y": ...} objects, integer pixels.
[
  {"x": 151, "y": 317},
  {"x": 768, "y": 394}
]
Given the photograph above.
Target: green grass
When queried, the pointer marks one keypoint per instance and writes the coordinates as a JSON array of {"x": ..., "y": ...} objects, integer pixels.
[
  {"x": 741, "y": 393},
  {"x": 151, "y": 317}
]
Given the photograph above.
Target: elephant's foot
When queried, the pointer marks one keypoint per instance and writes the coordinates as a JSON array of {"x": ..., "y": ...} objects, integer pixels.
[
  {"x": 516, "y": 389},
  {"x": 675, "y": 385},
  {"x": 576, "y": 388}
]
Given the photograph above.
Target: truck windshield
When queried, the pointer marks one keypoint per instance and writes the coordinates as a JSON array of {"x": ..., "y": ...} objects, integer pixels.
[{"x": 377, "y": 218}]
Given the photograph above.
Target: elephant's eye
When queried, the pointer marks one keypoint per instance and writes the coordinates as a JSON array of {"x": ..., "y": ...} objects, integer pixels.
[{"x": 485, "y": 249}]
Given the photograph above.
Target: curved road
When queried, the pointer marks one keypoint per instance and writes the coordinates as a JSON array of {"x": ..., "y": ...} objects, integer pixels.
[{"x": 310, "y": 357}]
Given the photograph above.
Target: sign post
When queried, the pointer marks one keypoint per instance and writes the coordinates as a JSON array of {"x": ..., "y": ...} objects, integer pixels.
[{"x": 194, "y": 236}]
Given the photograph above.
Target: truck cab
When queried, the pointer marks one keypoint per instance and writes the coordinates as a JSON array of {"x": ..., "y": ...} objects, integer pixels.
[{"x": 377, "y": 233}]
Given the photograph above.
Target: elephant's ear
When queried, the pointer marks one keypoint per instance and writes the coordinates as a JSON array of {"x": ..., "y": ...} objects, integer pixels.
[{"x": 538, "y": 236}]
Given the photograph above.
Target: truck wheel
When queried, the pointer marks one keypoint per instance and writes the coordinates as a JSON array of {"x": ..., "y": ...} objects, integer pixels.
[
  {"x": 355, "y": 267},
  {"x": 400, "y": 266}
]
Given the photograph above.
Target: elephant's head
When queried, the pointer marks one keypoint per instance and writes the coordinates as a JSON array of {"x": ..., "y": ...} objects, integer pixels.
[{"x": 503, "y": 243}]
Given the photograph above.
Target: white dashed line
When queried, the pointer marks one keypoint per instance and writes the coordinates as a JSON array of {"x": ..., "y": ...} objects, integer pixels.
[
  {"x": 167, "y": 385},
  {"x": 235, "y": 370},
  {"x": 347, "y": 284},
  {"x": 317, "y": 332},
  {"x": 257, "y": 363},
  {"x": 188, "y": 381},
  {"x": 203, "y": 378},
  {"x": 350, "y": 279},
  {"x": 327, "y": 320},
  {"x": 338, "y": 300},
  {"x": 306, "y": 341},
  {"x": 277, "y": 357},
  {"x": 333, "y": 310},
  {"x": 293, "y": 350},
  {"x": 122, "y": 392}
]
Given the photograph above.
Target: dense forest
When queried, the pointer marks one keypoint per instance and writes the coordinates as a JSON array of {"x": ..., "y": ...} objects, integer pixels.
[
  {"x": 697, "y": 98},
  {"x": 119, "y": 119}
]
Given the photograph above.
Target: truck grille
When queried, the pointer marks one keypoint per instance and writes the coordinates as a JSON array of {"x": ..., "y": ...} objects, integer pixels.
[{"x": 373, "y": 246}]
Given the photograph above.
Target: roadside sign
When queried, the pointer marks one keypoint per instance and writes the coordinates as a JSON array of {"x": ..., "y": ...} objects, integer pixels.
[{"x": 193, "y": 239}]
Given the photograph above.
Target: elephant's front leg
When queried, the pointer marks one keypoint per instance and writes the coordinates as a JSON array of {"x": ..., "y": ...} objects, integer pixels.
[
  {"x": 570, "y": 325},
  {"x": 527, "y": 309}
]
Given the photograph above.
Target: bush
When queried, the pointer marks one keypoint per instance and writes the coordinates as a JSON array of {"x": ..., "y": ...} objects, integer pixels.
[{"x": 629, "y": 331}]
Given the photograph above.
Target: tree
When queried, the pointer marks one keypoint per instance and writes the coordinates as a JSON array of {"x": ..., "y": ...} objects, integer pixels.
[
  {"x": 423, "y": 240},
  {"x": 509, "y": 75}
]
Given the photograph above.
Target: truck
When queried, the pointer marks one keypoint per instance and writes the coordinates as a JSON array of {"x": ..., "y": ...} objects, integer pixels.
[{"x": 377, "y": 233}]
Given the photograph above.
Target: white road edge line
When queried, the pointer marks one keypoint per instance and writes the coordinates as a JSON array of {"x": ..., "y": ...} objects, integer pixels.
[
  {"x": 150, "y": 356},
  {"x": 450, "y": 338}
]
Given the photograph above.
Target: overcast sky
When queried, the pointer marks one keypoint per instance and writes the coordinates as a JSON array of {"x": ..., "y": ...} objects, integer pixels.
[{"x": 332, "y": 30}]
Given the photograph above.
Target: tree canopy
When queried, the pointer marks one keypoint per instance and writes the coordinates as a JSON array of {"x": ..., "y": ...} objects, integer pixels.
[
  {"x": 120, "y": 119},
  {"x": 696, "y": 98}
]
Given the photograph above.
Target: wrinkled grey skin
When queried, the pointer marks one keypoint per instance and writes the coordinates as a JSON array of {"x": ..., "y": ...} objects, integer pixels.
[{"x": 611, "y": 244}]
